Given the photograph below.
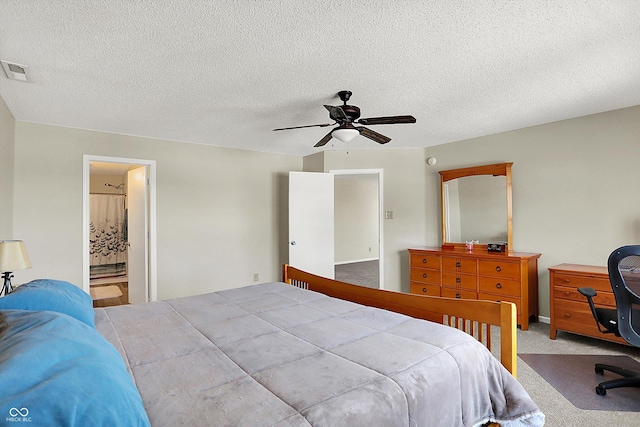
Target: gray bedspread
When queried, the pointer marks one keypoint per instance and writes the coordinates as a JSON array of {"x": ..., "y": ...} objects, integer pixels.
[{"x": 276, "y": 355}]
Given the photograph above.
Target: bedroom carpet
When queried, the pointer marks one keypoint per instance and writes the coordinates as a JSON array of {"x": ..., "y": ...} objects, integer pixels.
[
  {"x": 364, "y": 273},
  {"x": 574, "y": 377}
]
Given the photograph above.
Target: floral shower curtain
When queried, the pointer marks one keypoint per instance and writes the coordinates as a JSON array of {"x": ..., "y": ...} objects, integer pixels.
[{"x": 107, "y": 235}]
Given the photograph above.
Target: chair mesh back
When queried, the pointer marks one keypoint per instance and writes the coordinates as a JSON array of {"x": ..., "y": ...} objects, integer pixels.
[{"x": 624, "y": 273}]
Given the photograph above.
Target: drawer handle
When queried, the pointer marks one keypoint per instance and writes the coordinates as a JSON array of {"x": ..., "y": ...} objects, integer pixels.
[
  {"x": 458, "y": 280},
  {"x": 458, "y": 264},
  {"x": 457, "y": 295},
  {"x": 565, "y": 280},
  {"x": 424, "y": 260},
  {"x": 424, "y": 290},
  {"x": 499, "y": 285},
  {"x": 498, "y": 269},
  {"x": 567, "y": 315},
  {"x": 424, "y": 275}
]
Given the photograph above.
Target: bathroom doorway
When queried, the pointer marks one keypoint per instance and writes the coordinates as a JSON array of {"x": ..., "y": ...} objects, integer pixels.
[{"x": 119, "y": 228}]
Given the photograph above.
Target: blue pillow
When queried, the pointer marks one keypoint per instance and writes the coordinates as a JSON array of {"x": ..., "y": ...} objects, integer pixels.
[
  {"x": 51, "y": 295},
  {"x": 57, "y": 371}
]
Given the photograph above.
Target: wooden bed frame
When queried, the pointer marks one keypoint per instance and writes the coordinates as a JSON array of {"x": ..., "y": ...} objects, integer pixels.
[{"x": 474, "y": 317}]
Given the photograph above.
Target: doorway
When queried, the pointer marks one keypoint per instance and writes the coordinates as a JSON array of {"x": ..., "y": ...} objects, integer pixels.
[
  {"x": 119, "y": 251},
  {"x": 311, "y": 221},
  {"x": 358, "y": 220}
]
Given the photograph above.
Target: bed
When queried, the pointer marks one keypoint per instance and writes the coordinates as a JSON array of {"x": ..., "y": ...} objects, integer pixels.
[{"x": 305, "y": 351}]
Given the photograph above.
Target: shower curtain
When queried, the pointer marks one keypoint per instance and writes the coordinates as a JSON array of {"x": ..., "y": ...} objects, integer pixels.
[{"x": 107, "y": 235}]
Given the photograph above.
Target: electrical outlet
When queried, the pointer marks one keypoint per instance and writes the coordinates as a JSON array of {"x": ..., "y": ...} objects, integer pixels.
[{"x": 256, "y": 277}]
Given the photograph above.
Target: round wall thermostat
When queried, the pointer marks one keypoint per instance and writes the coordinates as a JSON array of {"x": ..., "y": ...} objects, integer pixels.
[{"x": 431, "y": 161}]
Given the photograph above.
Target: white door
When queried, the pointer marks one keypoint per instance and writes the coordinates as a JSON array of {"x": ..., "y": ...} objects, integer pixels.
[
  {"x": 311, "y": 238},
  {"x": 138, "y": 265}
]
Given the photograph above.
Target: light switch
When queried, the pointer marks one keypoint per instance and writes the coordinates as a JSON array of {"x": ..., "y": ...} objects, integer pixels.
[{"x": 388, "y": 214}]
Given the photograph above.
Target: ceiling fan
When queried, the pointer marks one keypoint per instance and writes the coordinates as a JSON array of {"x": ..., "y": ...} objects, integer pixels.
[{"x": 345, "y": 116}]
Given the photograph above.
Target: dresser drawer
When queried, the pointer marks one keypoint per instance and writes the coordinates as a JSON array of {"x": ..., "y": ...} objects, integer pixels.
[
  {"x": 460, "y": 265},
  {"x": 425, "y": 261},
  {"x": 425, "y": 275},
  {"x": 601, "y": 300},
  {"x": 459, "y": 280},
  {"x": 500, "y": 286},
  {"x": 424, "y": 289},
  {"x": 574, "y": 316},
  {"x": 490, "y": 297},
  {"x": 499, "y": 268},
  {"x": 576, "y": 281},
  {"x": 458, "y": 293}
]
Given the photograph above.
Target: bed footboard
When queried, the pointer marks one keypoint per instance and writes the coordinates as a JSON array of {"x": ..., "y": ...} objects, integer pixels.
[{"x": 474, "y": 317}]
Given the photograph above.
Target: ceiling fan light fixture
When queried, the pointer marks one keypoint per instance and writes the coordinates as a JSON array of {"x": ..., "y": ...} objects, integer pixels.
[{"x": 345, "y": 134}]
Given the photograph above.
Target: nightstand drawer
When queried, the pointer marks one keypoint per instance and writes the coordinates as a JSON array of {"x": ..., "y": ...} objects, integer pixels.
[
  {"x": 425, "y": 275},
  {"x": 458, "y": 280},
  {"x": 500, "y": 286},
  {"x": 510, "y": 270},
  {"x": 424, "y": 289},
  {"x": 460, "y": 265},
  {"x": 425, "y": 261},
  {"x": 572, "y": 294},
  {"x": 576, "y": 281}
]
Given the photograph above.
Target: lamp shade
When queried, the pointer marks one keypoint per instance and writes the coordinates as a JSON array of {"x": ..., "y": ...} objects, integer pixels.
[
  {"x": 13, "y": 256},
  {"x": 345, "y": 134}
]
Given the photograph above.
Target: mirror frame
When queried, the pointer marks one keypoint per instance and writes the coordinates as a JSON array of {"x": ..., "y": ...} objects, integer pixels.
[{"x": 497, "y": 169}]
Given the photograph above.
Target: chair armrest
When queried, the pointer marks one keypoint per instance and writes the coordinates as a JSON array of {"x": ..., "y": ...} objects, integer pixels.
[{"x": 587, "y": 292}]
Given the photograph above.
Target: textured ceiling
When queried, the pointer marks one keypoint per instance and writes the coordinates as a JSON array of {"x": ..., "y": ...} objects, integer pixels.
[{"x": 226, "y": 72}]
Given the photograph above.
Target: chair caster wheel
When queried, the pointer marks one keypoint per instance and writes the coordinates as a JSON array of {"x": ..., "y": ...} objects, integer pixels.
[
  {"x": 601, "y": 391},
  {"x": 599, "y": 371}
]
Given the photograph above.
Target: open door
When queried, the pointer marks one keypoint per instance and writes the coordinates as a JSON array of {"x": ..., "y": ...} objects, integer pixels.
[
  {"x": 138, "y": 265},
  {"x": 311, "y": 222}
]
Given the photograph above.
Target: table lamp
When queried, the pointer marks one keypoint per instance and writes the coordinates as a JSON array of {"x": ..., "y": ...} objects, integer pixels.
[{"x": 13, "y": 256}]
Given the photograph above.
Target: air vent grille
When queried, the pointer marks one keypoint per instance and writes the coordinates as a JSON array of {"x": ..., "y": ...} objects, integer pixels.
[{"x": 15, "y": 71}]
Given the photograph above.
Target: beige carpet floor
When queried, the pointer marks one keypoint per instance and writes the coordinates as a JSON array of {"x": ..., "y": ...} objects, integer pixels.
[{"x": 559, "y": 411}]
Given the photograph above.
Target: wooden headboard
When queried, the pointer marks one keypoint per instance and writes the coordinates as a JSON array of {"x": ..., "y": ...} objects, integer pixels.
[{"x": 474, "y": 317}]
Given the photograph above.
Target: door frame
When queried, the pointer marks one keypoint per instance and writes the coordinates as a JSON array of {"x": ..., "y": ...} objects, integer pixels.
[
  {"x": 380, "y": 174},
  {"x": 86, "y": 174}
]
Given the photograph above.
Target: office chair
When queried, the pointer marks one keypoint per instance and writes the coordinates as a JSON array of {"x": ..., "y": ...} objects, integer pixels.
[{"x": 624, "y": 320}]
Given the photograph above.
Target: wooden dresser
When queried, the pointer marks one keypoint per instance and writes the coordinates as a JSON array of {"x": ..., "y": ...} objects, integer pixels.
[
  {"x": 570, "y": 310},
  {"x": 478, "y": 275}
]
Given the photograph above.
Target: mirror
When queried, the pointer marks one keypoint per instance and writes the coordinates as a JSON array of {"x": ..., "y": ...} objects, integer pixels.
[{"x": 476, "y": 206}]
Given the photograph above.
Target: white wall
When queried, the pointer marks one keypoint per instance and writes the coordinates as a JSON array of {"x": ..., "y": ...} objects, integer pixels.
[
  {"x": 221, "y": 213},
  {"x": 7, "y": 137}
]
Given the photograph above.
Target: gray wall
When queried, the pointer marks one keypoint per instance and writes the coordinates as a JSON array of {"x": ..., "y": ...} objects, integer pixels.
[
  {"x": 575, "y": 190},
  {"x": 221, "y": 213},
  {"x": 7, "y": 137}
]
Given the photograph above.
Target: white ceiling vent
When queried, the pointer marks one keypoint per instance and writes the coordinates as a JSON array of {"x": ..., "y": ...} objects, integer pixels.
[{"x": 15, "y": 71}]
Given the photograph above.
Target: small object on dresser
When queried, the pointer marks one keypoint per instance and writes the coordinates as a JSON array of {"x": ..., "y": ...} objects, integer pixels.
[{"x": 496, "y": 247}]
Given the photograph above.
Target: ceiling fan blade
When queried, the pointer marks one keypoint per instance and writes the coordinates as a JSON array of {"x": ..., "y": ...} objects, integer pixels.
[
  {"x": 306, "y": 126},
  {"x": 324, "y": 140},
  {"x": 336, "y": 113},
  {"x": 387, "y": 120},
  {"x": 374, "y": 136}
]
